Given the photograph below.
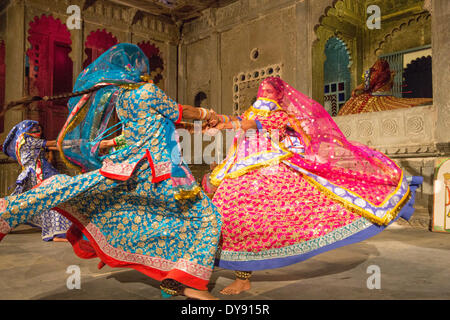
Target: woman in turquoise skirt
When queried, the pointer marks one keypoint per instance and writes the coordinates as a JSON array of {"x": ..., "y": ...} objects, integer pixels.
[{"x": 138, "y": 206}]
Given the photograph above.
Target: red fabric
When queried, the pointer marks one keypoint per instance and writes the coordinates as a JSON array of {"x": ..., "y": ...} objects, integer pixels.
[
  {"x": 2, "y": 235},
  {"x": 119, "y": 177},
  {"x": 82, "y": 248},
  {"x": 114, "y": 176},
  {"x": 155, "y": 179},
  {"x": 275, "y": 123},
  {"x": 180, "y": 113},
  {"x": 380, "y": 74},
  {"x": 90, "y": 249}
]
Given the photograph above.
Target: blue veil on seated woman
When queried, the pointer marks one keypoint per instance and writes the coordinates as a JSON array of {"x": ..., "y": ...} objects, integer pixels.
[{"x": 139, "y": 206}]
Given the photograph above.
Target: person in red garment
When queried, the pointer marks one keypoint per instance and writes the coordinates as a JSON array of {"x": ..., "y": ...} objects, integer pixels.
[{"x": 374, "y": 94}]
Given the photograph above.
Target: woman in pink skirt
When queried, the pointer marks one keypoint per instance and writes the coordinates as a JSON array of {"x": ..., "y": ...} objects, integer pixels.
[{"x": 292, "y": 186}]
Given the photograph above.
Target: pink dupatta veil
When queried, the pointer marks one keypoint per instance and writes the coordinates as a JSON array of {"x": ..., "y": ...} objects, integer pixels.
[{"x": 362, "y": 179}]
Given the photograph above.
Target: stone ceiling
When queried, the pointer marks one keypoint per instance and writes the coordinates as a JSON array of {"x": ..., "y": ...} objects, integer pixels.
[{"x": 178, "y": 10}]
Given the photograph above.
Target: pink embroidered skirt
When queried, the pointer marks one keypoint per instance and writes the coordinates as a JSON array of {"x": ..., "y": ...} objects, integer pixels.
[{"x": 273, "y": 217}]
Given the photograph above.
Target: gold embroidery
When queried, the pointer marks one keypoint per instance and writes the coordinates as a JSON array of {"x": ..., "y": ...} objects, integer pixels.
[
  {"x": 355, "y": 209},
  {"x": 187, "y": 194},
  {"x": 132, "y": 86}
]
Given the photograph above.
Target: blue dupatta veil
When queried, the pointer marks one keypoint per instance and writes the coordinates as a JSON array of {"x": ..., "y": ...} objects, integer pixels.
[{"x": 89, "y": 114}]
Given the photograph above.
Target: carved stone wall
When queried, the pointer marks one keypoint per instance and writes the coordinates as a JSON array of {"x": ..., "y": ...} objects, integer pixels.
[
  {"x": 112, "y": 17},
  {"x": 393, "y": 132},
  {"x": 441, "y": 72},
  {"x": 407, "y": 32},
  {"x": 3, "y": 25},
  {"x": 117, "y": 19},
  {"x": 9, "y": 170},
  {"x": 220, "y": 46},
  {"x": 231, "y": 35},
  {"x": 198, "y": 69},
  {"x": 285, "y": 33}
]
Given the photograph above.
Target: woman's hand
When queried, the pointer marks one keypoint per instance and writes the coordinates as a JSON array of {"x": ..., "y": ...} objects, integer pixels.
[
  {"x": 106, "y": 144},
  {"x": 248, "y": 124},
  {"x": 214, "y": 119},
  {"x": 212, "y": 131}
]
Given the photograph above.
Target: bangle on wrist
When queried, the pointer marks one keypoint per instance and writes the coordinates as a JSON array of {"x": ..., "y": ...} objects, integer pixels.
[
  {"x": 236, "y": 124},
  {"x": 203, "y": 113},
  {"x": 224, "y": 118},
  {"x": 211, "y": 113}
]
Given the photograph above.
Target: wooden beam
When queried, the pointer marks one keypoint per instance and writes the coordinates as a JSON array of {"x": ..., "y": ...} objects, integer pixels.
[
  {"x": 88, "y": 3},
  {"x": 157, "y": 13},
  {"x": 137, "y": 16}
]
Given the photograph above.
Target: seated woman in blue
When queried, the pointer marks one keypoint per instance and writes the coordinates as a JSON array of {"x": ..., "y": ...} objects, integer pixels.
[{"x": 24, "y": 144}]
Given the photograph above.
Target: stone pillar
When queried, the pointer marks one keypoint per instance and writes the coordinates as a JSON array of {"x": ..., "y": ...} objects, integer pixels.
[
  {"x": 304, "y": 48},
  {"x": 15, "y": 62},
  {"x": 358, "y": 58},
  {"x": 171, "y": 63},
  {"x": 440, "y": 26},
  {"x": 216, "y": 73},
  {"x": 182, "y": 74},
  {"x": 77, "y": 51}
]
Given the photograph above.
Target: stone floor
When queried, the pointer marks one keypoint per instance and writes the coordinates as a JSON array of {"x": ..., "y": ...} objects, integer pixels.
[{"x": 414, "y": 264}]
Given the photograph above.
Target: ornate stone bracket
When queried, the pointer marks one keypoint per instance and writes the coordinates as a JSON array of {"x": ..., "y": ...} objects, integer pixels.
[{"x": 403, "y": 24}]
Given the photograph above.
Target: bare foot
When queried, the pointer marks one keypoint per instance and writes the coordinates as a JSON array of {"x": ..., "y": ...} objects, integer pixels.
[
  {"x": 237, "y": 287},
  {"x": 56, "y": 239},
  {"x": 199, "y": 294}
]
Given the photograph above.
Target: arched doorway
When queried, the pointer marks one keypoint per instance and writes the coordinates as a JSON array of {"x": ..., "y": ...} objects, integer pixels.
[
  {"x": 418, "y": 79},
  {"x": 96, "y": 43},
  {"x": 408, "y": 26},
  {"x": 337, "y": 77},
  {"x": 49, "y": 70},
  {"x": 201, "y": 100},
  {"x": 156, "y": 62}
]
